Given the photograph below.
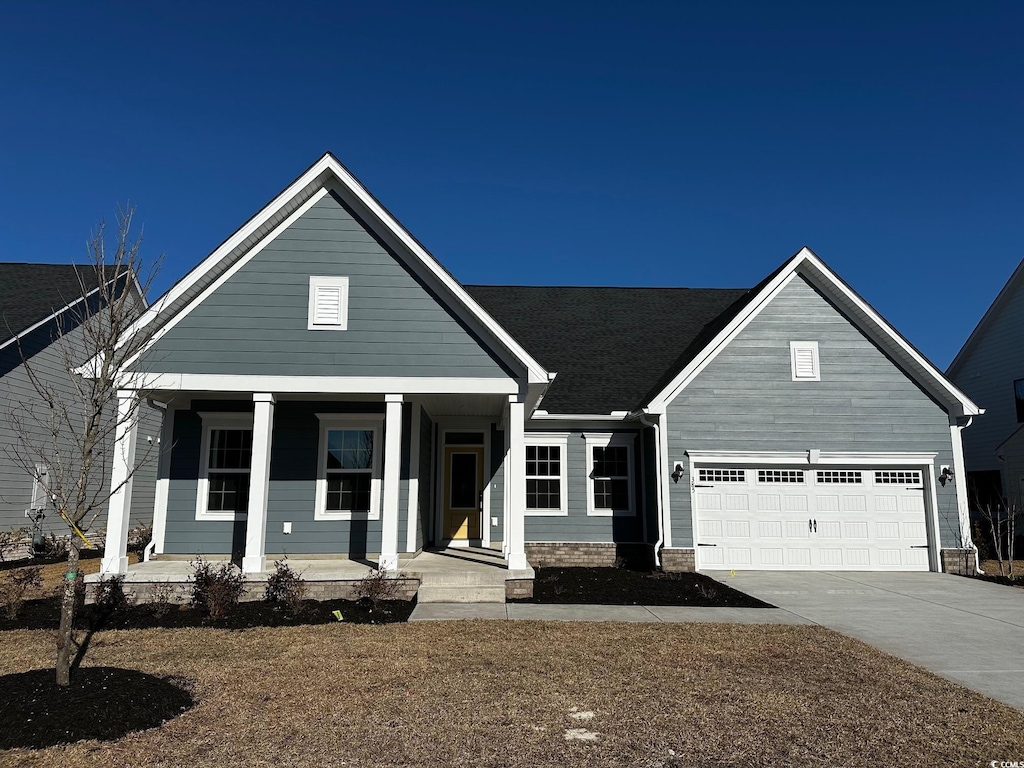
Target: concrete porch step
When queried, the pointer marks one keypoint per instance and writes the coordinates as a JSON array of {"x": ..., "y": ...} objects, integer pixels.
[{"x": 464, "y": 593}]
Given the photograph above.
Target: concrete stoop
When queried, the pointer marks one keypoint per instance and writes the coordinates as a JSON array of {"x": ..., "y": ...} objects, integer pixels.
[{"x": 461, "y": 587}]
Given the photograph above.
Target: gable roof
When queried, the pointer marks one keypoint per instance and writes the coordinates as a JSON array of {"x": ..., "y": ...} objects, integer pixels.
[
  {"x": 30, "y": 294},
  {"x": 1014, "y": 284},
  {"x": 327, "y": 173},
  {"x": 807, "y": 264},
  {"x": 609, "y": 345}
]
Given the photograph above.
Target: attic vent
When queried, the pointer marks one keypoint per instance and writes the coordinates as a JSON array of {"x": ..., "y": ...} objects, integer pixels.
[
  {"x": 328, "y": 303},
  {"x": 804, "y": 360}
]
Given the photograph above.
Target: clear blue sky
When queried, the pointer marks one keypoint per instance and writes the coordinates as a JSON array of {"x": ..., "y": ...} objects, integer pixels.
[{"x": 674, "y": 143}]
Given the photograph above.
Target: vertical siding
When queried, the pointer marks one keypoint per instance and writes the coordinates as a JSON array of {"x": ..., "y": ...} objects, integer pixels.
[
  {"x": 426, "y": 478},
  {"x": 746, "y": 400},
  {"x": 497, "y": 479},
  {"x": 577, "y": 526},
  {"x": 986, "y": 375},
  {"x": 256, "y": 322},
  {"x": 19, "y": 399}
]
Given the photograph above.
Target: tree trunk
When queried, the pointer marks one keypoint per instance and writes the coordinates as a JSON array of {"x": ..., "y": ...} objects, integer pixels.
[{"x": 69, "y": 601}]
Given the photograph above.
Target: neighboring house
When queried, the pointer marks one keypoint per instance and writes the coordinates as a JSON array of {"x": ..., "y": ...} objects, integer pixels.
[
  {"x": 990, "y": 369},
  {"x": 37, "y": 303},
  {"x": 331, "y": 390}
]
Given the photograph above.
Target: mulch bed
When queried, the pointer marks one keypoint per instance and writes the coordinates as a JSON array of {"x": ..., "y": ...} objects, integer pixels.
[
  {"x": 102, "y": 703},
  {"x": 45, "y": 614},
  {"x": 85, "y": 554},
  {"x": 626, "y": 586}
]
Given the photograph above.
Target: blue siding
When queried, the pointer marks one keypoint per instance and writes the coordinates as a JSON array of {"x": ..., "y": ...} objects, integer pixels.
[
  {"x": 497, "y": 484},
  {"x": 746, "y": 400},
  {"x": 255, "y": 323},
  {"x": 426, "y": 477}
]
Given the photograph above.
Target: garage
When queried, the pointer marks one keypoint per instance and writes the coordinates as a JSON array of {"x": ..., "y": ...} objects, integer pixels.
[{"x": 811, "y": 518}]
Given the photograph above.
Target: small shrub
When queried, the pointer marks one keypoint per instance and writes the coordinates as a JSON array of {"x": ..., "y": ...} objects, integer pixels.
[
  {"x": 16, "y": 587},
  {"x": 285, "y": 587},
  {"x": 111, "y": 597},
  {"x": 216, "y": 590},
  {"x": 162, "y": 598},
  {"x": 55, "y": 547},
  {"x": 13, "y": 543},
  {"x": 376, "y": 587}
]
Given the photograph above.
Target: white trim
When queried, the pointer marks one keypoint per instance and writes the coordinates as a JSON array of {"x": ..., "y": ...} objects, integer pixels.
[
  {"x": 163, "y": 478},
  {"x": 115, "y": 557},
  {"x": 604, "y": 440},
  {"x": 361, "y": 421},
  {"x": 560, "y": 441},
  {"x": 960, "y": 486},
  {"x": 516, "y": 490},
  {"x": 613, "y": 417},
  {"x": 318, "y": 283},
  {"x": 410, "y": 385},
  {"x": 230, "y": 272},
  {"x": 413, "y": 504},
  {"x": 810, "y": 266},
  {"x": 388, "y": 560},
  {"x": 795, "y": 348},
  {"x": 216, "y": 420},
  {"x": 254, "y": 560},
  {"x": 329, "y": 164}
]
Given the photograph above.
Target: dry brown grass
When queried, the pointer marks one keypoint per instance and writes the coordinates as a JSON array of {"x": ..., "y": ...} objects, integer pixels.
[{"x": 504, "y": 693}]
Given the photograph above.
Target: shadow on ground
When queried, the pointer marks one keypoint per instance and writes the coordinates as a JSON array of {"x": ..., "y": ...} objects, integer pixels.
[{"x": 102, "y": 703}]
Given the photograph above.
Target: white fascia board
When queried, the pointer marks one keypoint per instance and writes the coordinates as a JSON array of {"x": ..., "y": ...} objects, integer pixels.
[
  {"x": 809, "y": 265},
  {"x": 865, "y": 458},
  {"x": 613, "y": 416},
  {"x": 411, "y": 385},
  {"x": 1011, "y": 285}
]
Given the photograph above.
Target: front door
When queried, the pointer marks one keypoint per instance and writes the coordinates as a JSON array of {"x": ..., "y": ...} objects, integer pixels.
[{"x": 463, "y": 494}]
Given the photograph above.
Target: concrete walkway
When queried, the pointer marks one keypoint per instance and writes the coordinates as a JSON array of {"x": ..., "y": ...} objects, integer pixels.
[
  {"x": 669, "y": 614},
  {"x": 969, "y": 631}
]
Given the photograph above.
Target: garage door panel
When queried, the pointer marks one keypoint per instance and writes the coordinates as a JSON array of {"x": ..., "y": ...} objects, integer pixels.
[{"x": 806, "y": 518}]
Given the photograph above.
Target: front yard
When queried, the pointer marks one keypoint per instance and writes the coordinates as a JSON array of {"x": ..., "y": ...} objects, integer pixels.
[{"x": 532, "y": 694}]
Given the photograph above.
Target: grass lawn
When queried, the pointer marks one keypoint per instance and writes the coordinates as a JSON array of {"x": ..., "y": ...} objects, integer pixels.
[{"x": 533, "y": 694}]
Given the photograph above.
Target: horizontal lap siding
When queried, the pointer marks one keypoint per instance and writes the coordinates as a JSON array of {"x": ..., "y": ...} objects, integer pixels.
[
  {"x": 986, "y": 375},
  {"x": 745, "y": 400},
  {"x": 426, "y": 476},
  {"x": 578, "y": 526},
  {"x": 255, "y": 323},
  {"x": 497, "y": 484}
]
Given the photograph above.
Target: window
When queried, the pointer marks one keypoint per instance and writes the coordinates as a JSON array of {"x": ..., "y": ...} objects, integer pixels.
[
  {"x": 780, "y": 475},
  {"x": 41, "y": 487},
  {"x": 897, "y": 477},
  {"x": 722, "y": 475},
  {"x": 804, "y": 360},
  {"x": 610, "y": 481},
  {"x": 1018, "y": 398},
  {"x": 328, "y": 304},
  {"x": 545, "y": 474},
  {"x": 348, "y": 482},
  {"x": 838, "y": 476},
  {"x": 226, "y": 464}
]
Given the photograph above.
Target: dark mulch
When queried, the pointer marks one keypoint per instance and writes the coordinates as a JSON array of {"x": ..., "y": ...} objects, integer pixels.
[
  {"x": 102, "y": 703},
  {"x": 45, "y": 614},
  {"x": 626, "y": 586},
  {"x": 85, "y": 554}
]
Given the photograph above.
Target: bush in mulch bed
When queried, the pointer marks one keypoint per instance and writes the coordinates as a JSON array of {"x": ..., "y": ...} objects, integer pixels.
[
  {"x": 45, "y": 614},
  {"x": 627, "y": 586},
  {"x": 102, "y": 703}
]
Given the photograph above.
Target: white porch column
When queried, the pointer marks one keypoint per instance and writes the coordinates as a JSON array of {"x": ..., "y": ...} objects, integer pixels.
[
  {"x": 255, "y": 558},
  {"x": 115, "y": 555},
  {"x": 515, "y": 533},
  {"x": 392, "y": 476}
]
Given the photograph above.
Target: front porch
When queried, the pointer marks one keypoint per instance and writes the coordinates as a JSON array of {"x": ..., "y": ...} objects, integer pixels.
[{"x": 448, "y": 575}]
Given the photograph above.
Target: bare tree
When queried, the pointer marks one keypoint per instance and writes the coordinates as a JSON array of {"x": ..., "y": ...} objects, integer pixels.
[
  {"x": 65, "y": 438},
  {"x": 1002, "y": 521}
]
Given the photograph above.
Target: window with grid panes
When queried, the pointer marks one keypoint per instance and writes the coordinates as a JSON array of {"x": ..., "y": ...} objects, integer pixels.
[
  {"x": 610, "y": 476},
  {"x": 229, "y": 462},
  {"x": 349, "y": 469},
  {"x": 543, "y": 477}
]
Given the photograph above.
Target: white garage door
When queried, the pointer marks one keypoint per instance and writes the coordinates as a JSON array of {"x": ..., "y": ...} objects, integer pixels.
[{"x": 811, "y": 519}]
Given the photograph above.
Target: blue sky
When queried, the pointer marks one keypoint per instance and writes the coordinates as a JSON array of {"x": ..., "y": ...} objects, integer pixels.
[{"x": 676, "y": 143}]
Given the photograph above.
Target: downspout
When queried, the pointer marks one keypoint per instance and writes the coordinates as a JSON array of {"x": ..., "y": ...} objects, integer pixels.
[{"x": 658, "y": 469}]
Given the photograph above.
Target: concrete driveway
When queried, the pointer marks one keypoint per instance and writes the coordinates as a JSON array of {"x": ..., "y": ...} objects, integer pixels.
[{"x": 966, "y": 630}]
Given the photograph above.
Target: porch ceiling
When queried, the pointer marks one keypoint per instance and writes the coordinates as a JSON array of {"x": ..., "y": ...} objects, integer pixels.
[{"x": 464, "y": 405}]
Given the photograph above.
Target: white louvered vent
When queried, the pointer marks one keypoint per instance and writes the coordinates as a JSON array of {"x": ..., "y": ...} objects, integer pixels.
[
  {"x": 328, "y": 303},
  {"x": 804, "y": 360}
]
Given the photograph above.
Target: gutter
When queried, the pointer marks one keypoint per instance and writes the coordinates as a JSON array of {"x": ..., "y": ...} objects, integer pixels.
[{"x": 658, "y": 470}]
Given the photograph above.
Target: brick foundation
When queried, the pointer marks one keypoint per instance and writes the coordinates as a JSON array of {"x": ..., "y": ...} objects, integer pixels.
[
  {"x": 517, "y": 589},
  {"x": 678, "y": 560},
  {"x": 570, "y": 554},
  {"x": 958, "y": 561}
]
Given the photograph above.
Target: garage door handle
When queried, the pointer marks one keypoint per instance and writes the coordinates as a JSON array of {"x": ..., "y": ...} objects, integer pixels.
[
  {"x": 812, "y": 526},
  {"x": 707, "y": 545},
  {"x": 919, "y": 546},
  {"x": 815, "y": 526}
]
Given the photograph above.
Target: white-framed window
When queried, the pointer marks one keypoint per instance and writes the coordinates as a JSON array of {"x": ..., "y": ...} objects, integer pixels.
[
  {"x": 328, "y": 304},
  {"x": 225, "y": 466},
  {"x": 348, "y": 480},
  {"x": 780, "y": 475},
  {"x": 546, "y": 486},
  {"x": 610, "y": 474},
  {"x": 804, "y": 360},
  {"x": 41, "y": 487},
  {"x": 721, "y": 475}
]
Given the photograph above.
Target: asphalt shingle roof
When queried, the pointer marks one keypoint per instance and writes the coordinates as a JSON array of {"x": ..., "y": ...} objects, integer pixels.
[
  {"x": 32, "y": 292},
  {"x": 610, "y": 346}
]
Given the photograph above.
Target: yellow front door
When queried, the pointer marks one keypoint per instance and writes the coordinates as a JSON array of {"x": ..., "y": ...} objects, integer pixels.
[{"x": 464, "y": 481}]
